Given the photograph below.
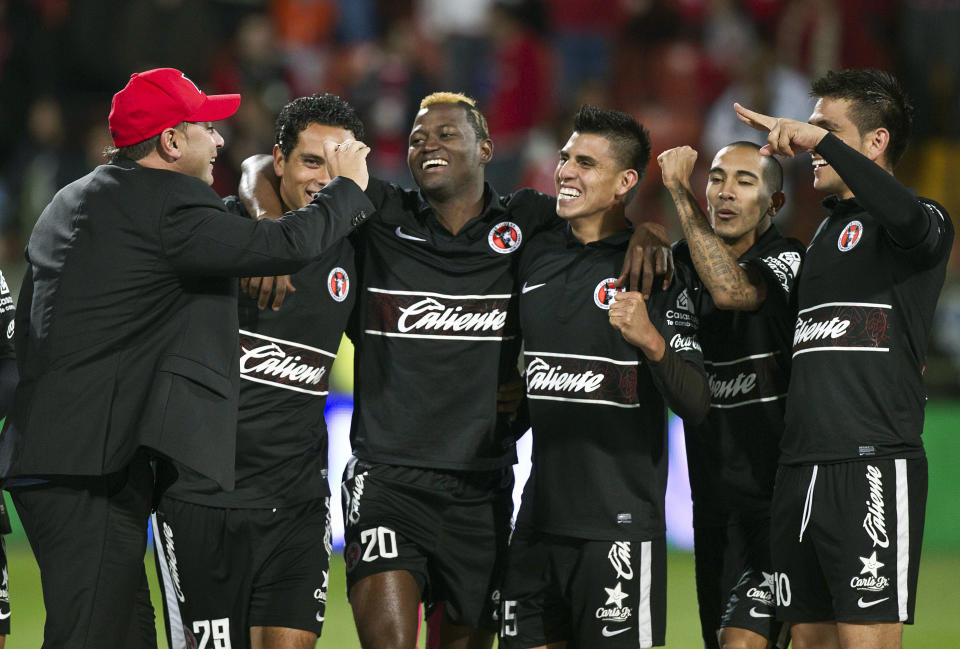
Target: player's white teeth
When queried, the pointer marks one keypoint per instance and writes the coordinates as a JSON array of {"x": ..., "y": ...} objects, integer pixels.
[
  {"x": 567, "y": 192},
  {"x": 435, "y": 162},
  {"x": 819, "y": 163}
]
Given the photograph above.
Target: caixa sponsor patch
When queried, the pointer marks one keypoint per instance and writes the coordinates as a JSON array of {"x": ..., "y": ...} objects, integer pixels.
[{"x": 284, "y": 364}]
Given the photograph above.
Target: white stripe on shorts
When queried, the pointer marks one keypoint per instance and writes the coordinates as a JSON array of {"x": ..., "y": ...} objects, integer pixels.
[
  {"x": 644, "y": 614},
  {"x": 175, "y": 633},
  {"x": 903, "y": 537},
  {"x": 808, "y": 504}
]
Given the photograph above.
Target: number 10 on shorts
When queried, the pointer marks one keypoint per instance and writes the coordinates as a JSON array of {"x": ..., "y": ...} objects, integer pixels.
[{"x": 782, "y": 589}]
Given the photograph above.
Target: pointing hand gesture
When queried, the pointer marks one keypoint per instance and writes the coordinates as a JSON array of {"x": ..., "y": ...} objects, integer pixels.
[{"x": 787, "y": 136}]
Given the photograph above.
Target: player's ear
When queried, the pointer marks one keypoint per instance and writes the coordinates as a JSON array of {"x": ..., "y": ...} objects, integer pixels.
[
  {"x": 278, "y": 161},
  {"x": 486, "y": 150},
  {"x": 628, "y": 180},
  {"x": 876, "y": 143},
  {"x": 776, "y": 202},
  {"x": 170, "y": 145}
]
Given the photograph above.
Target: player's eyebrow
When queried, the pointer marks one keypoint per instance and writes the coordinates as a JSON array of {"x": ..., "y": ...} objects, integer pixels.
[{"x": 824, "y": 123}]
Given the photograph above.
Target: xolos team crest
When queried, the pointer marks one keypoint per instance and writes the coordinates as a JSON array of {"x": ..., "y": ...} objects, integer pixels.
[
  {"x": 850, "y": 236},
  {"x": 338, "y": 283},
  {"x": 604, "y": 292},
  {"x": 505, "y": 237}
]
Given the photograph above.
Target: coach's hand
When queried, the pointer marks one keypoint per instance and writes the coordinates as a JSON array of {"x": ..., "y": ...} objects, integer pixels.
[
  {"x": 648, "y": 256},
  {"x": 348, "y": 159},
  {"x": 676, "y": 166},
  {"x": 786, "y": 136},
  {"x": 261, "y": 288},
  {"x": 628, "y": 315}
]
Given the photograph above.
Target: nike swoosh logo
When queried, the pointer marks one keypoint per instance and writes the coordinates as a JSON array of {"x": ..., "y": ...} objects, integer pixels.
[
  {"x": 319, "y": 617},
  {"x": 609, "y": 634},
  {"x": 408, "y": 237},
  {"x": 863, "y": 604},
  {"x": 753, "y": 613},
  {"x": 527, "y": 289},
  {"x": 4, "y": 616}
]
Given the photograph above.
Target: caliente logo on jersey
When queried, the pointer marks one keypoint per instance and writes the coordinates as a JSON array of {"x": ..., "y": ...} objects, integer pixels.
[
  {"x": 605, "y": 291},
  {"x": 338, "y": 283},
  {"x": 505, "y": 237},
  {"x": 850, "y": 236}
]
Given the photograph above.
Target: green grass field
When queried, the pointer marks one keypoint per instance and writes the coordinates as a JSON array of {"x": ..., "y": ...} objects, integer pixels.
[
  {"x": 938, "y": 618},
  {"x": 938, "y": 602}
]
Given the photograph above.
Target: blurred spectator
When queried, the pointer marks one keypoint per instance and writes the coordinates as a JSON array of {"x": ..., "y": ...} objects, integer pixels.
[
  {"x": 583, "y": 34},
  {"x": 305, "y": 30},
  {"x": 760, "y": 83},
  {"x": 520, "y": 92},
  {"x": 152, "y": 33},
  {"x": 462, "y": 30},
  {"x": 930, "y": 42},
  {"x": 252, "y": 65}
]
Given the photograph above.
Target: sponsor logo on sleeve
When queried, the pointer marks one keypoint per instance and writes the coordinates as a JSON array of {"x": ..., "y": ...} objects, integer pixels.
[
  {"x": 785, "y": 267},
  {"x": 284, "y": 364},
  {"x": 843, "y": 327},
  {"x": 682, "y": 314},
  {"x": 338, "y": 283},
  {"x": 581, "y": 379},
  {"x": 10, "y": 328},
  {"x": 605, "y": 291},
  {"x": 505, "y": 237},
  {"x": 411, "y": 314},
  {"x": 684, "y": 343}
]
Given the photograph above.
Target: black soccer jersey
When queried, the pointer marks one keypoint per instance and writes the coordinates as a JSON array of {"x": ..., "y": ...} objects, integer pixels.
[
  {"x": 7, "y": 310},
  {"x": 436, "y": 329},
  {"x": 866, "y": 310},
  {"x": 599, "y": 418},
  {"x": 732, "y": 455},
  {"x": 285, "y": 361}
]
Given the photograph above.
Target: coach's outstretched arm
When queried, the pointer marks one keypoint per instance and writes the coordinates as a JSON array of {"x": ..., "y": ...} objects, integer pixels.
[
  {"x": 731, "y": 285},
  {"x": 868, "y": 177}
]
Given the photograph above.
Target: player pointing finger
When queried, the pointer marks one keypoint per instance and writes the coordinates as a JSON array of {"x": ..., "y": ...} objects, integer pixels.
[{"x": 787, "y": 136}]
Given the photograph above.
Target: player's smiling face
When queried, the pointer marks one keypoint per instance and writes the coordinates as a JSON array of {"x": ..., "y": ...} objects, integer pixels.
[
  {"x": 738, "y": 199},
  {"x": 588, "y": 178},
  {"x": 444, "y": 154},
  {"x": 833, "y": 115},
  {"x": 304, "y": 172}
]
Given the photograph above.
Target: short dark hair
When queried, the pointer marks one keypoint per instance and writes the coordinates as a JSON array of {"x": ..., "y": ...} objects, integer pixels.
[
  {"x": 139, "y": 150},
  {"x": 325, "y": 109},
  {"x": 772, "y": 170},
  {"x": 629, "y": 141},
  {"x": 876, "y": 100}
]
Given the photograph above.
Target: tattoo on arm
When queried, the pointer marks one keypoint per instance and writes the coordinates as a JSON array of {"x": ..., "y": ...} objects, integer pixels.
[{"x": 731, "y": 286}]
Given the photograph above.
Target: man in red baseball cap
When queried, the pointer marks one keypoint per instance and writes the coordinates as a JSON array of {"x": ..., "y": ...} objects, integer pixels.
[
  {"x": 128, "y": 352},
  {"x": 163, "y": 120}
]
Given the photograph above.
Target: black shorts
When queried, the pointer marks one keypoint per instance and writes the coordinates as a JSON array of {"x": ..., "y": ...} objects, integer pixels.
[
  {"x": 609, "y": 594},
  {"x": 846, "y": 540},
  {"x": 735, "y": 583},
  {"x": 449, "y": 529},
  {"x": 223, "y": 571}
]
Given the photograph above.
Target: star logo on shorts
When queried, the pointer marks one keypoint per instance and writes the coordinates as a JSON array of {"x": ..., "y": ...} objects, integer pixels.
[
  {"x": 870, "y": 564},
  {"x": 616, "y": 595},
  {"x": 769, "y": 581}
]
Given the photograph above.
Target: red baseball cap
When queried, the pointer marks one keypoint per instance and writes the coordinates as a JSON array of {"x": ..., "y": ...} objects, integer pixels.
[{"x": 158, "y": 99}]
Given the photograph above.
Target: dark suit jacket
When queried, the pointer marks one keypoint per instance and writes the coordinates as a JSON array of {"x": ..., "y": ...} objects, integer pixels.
[{"x": 127, "y": 319}]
